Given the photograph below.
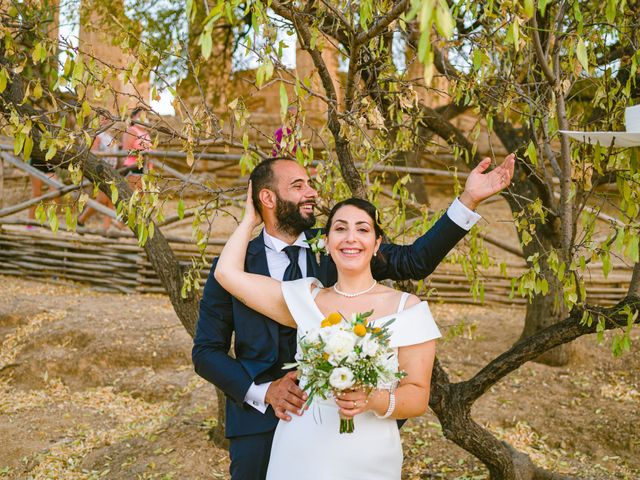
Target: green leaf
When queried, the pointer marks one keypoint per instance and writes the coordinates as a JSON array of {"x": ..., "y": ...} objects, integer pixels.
[
  {"x": 40, "y": 214},
  {"x": 37, "y": 91},
  {"x": 52, "y": 217},
  {"x": 632, "y": 249},
  {"x": 532, "y": 153},
  {"x": 114, "y": 193},
  {"x": 529, "y": 8},
  {"x": 426, "y": 13},
  {"x": 260, "y": 76},
  {"x": 581, "y": 53},
  {"x": 284, "y": 101},
  {"x": 69, "y": 220},
  {"x": 268, "y": 70},
  {"x": 39, "y": 53},
  {"x": 78, "y": 70},
  {"x": 180, "y": 209},
  {"x": 51, "y": 151},
  {"x": 477, "y": 59},
  {"x": 3, "y": 79},
  {"x": 611, "y": 10},
  {"x": 18, "y": 143},
  {"x": 206, "y": 44},
  {"x": 429, "y": 68},
  {"x": 606, "y": 264},
  {"x": 542, "y": 5},
  {"x": 444, "y": 20},
  {"x": 28, "y": 148},
  {"x": 143, "y": 232}
]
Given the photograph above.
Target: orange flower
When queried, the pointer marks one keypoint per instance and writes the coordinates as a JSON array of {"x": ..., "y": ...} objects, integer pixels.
[
  {"x": 334, "y": 318},
  {"x": 360, "y": 330}
]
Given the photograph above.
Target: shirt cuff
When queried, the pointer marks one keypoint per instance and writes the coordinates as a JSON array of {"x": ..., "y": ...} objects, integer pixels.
[
  {"x": 462, "y": 216},
  {"x": 255, "y": 396}
]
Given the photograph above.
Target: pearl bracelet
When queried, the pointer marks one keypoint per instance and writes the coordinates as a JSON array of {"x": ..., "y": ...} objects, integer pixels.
[{"x": 392, "y": 406}]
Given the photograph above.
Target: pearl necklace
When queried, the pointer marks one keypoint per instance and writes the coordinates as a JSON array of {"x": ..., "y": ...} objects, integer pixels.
[{"x": 356, "y": 294}]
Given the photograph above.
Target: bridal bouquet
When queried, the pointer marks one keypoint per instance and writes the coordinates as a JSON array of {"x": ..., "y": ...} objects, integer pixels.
[{"x": 346, "y": 354}]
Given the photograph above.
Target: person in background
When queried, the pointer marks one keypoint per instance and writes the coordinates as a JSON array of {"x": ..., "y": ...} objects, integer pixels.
[
  {"x": 103, "y": 143},
  {"x": 135, "y": 139}
]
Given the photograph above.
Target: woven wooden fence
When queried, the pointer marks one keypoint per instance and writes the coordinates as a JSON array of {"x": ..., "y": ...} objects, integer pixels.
[{"x": 119, "y": 265}]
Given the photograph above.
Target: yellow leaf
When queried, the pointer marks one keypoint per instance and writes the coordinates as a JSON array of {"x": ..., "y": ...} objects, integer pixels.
[
  {"x": 28, "y": 148},
  {"x": 581, "y": 53},
  {"x": 3, "y": 80},
  {"x": 37, "y": 91}
]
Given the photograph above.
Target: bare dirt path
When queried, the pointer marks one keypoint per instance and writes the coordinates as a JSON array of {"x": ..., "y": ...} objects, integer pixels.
[{"x": 97, "y": 385}]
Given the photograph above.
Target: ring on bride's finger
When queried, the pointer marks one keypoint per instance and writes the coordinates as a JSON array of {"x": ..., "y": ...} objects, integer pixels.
[{"x": 355, "y": 404}]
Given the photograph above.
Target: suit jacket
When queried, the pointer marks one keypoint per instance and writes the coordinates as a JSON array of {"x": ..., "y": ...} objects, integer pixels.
[{"x": 256, "y": 336}]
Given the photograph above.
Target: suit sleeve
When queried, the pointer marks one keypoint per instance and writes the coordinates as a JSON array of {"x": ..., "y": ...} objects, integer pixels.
[
  {"x": 211, "y": 344},
  {"x": 420, "y": 259}
]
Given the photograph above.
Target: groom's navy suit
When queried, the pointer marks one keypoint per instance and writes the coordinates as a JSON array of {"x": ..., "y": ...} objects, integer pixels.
[{"x": 259, "y": 353}]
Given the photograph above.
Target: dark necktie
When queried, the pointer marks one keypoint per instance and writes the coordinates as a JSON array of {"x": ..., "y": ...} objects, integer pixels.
[{"x": 293, "y": 271}]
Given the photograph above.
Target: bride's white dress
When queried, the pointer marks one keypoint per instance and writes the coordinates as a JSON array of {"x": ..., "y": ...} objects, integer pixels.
[{"x": 310, "y": 447}]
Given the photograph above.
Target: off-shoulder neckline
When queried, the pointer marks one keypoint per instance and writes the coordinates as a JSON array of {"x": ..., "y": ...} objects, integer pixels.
[{"x": 319, "y": 284}]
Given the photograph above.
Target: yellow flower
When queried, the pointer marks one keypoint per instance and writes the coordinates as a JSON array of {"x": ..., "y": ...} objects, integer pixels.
[
  {"x": 325, "y": 356},
  {"x": 325, "y": 323},
  {"x": 334, "y": 318},
  {"x": 376, "y": 330},
  {"x": 360, "y": 330}
]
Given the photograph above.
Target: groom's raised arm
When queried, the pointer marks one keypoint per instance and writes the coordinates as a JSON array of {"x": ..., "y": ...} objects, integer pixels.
[
  {"x": 210, "y": 353},
  {"x": 420, "y": 259}
]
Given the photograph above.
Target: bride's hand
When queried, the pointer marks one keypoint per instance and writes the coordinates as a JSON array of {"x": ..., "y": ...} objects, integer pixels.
[
  {"x": 352, "y": 402},
  {"x": 251, "y": 215}
]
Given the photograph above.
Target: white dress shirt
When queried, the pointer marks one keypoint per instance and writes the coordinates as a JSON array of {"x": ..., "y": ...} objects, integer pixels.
[{"x": 278, "y": 261}]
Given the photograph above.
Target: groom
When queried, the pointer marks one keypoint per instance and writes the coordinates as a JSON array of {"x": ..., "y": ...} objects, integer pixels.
[{"x": 258, "y": 391}]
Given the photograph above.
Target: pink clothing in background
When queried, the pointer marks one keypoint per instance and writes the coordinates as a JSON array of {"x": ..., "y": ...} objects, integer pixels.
[
  {"x": 141, "y": 141},
  {"x": 280, "y": 145}
]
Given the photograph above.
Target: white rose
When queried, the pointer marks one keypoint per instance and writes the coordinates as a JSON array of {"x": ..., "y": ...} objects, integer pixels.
[
  {"x": 320, "y": 245},
  {"x": 341, "y": 378},
  {"x": 340, "y": 344},
  {"x": 312, "y": 336},
  {"x": 369, "y": 345},
  {"x": 327, "y": 333}
]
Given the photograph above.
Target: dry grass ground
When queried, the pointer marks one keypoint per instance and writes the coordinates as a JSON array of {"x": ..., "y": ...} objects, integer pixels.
[{"x": 99, "y": 385}]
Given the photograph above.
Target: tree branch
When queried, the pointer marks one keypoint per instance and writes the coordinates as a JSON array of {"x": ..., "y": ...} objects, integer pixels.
[
  {"x": 157, "y": 248},
  {"x": 542, "y": 59},
  {"x": 347, "y": 167},
  {"x": 557, "y": 334},
  {"x": 382, "y": 23}
]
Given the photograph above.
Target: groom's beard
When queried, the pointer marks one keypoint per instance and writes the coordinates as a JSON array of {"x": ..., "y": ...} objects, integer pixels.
[{"x": 289, "y": 218}]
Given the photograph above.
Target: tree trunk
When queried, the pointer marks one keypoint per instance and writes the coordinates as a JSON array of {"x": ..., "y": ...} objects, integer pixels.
[
  {"x": 542, "y": 312},
  {"x": 454, "y": 413},
  {"x": 546, "y": 310}
]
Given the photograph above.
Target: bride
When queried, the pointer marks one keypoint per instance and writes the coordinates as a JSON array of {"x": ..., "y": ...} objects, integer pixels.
[{"x": 310, "y": 446}]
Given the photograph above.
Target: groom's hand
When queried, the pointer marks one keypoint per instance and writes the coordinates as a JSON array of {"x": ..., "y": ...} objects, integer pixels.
[
  {"x": 480, "y": 186},
  {"x": 284, "y": 395}
]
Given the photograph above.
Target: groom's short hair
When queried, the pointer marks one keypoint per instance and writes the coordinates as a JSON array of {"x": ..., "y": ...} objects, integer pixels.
[{"x": 263, "y": 177}]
